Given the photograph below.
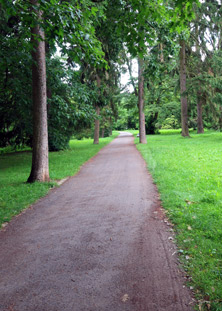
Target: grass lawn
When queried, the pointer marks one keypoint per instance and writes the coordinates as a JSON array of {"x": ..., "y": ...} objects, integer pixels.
[
  {"x": 16, "y": 194},
  {"x": 188, "y": 173}
]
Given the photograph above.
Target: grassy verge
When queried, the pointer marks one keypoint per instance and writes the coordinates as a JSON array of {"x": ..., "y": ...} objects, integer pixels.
[
  {"x": 188, "y": 173},
  {"x": 134, "y": 132},
  {"x": 173, "y": 131},
  {"x": 16, "y": 194}
]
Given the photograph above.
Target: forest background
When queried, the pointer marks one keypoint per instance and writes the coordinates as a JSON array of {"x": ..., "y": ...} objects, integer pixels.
[
  {"x": 177, "y": 45},
  {"x": 97, "y": 42}
]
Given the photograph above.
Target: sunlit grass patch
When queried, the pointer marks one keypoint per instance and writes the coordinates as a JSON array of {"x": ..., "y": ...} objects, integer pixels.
[
  {"x": 16, "y": 194},
  {"x": 188, "y": 173}
]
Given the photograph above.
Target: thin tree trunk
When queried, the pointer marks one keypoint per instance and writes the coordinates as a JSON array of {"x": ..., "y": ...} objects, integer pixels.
[
  {"x": 200, "y": 94},
  {"x": 110, "y": 126},
  {"x": 220, "y": 118},
  {"x": 161, "y": 53},
  {"x": 97, "y": 126},
  {"x": 142, "y": 127},
  {"x": 200, "y": 102},
  {"x": 183, "y": 95},
  {"x": 96, "y": 131},
  {"x": 129, "y": 65},
  {"x": 40, "y": 166},
  {"x": 103, "y": 132}
]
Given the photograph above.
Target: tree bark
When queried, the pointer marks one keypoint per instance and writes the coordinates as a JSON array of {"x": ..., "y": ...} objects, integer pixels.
[
  {"x": 110, "y": 126},
  {"x": 129, "y": 65},
  {"x": 96, "y": 131},
  {"x": 220, "y": 119},
  {"x": 142, "y": 127},
  {"x": 97, "y": 126},
  {"x": 161, "y": 53},
  {"x": 40, "y": 166},
  {"x": 200, "y": 102},
  {"x": 103, "y": 132},
  {"x": 183, "y": 95}
]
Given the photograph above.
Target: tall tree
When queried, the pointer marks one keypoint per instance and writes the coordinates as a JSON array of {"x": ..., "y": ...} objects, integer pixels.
[
  {"x": 97, "y": 121},
  {"x": 201, "y": 97},
  {"x": 183, "y": 90},
  {"x": 40, "y": 162},
  {"x": 201, "y": 100},
  {"x": 70, "y": 24},
  {"x": 142, "y": 125}
]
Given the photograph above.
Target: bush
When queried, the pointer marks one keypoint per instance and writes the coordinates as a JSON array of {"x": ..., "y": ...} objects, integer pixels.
[
  {"x": 61, "y": 122},
  {"x": 151, "y": 122},
  {"x": 84, "y": 133},
  {"x": 170, "y": 123}
]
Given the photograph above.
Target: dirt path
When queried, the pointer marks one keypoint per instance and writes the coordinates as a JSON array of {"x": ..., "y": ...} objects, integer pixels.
[{"x": 96, "y": 243}]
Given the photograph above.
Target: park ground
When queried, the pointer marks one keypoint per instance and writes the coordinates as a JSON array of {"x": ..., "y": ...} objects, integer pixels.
[{"x": 187, "y": 173}]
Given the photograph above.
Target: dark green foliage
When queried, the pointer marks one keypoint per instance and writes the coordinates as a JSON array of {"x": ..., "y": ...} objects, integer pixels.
[
  {"x": 127, "y": 113},
  {"x": 15, "y": 90},
  {"x": 83, "y": 133},
  {"x": 151, "y": 121},
  {"x": 69, "y": 24},
  {"x": 69, "y": 106},
  {"x": 61, "y": 119}
]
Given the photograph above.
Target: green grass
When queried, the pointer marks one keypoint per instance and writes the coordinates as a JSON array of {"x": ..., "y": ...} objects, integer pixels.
[
  {"x": 134, "y": 132},
  {"x": 172, "y": 131},
  {"x": 188, "y": 173},
  {"x": 16, "y": 194},
  {"x": 162, "y": 132}
]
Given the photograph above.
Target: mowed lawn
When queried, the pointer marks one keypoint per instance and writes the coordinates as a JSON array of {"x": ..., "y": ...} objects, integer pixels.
[
  {"x": 188, "y": 173},
  {"x": 16, "y": 194}
]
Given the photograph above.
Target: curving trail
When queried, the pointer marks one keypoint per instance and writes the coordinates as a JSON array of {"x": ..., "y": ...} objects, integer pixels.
[{"x": 96, "y": 243}]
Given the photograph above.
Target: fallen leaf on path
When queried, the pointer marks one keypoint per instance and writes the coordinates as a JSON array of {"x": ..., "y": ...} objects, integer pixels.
[{"x": 125, "y": 298}]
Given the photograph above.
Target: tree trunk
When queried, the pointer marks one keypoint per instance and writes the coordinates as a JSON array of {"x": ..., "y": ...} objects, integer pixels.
[
  {"x": 129, "y": 65},
  {"x": 96, "y": 131},
  {"x": 142, "y": 128},
  {"x": 110, "y": 126},
  {"x": 220, "y": 119},
  {"x": 200, "y": 102},
  {"x": 103, "y": 132},
  {"x": 183, "y": 95},
  {"x": 161, "y": 53},
  {"x": 40, "y": 166}
]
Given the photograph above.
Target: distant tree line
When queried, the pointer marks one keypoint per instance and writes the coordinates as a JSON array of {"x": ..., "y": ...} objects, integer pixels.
[{"x": 182, "y": 67}]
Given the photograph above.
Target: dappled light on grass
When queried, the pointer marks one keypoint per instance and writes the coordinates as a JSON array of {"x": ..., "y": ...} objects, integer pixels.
[{"x": 188, "y": 173}]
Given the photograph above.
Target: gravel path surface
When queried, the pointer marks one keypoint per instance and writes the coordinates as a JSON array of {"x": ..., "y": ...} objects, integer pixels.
[{"x": 98, "y": 242}]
